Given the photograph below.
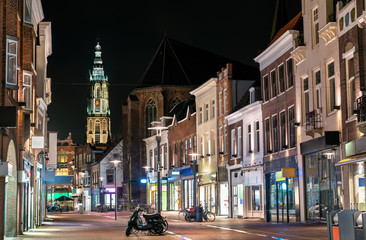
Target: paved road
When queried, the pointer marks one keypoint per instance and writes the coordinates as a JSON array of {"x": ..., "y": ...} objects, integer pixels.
[{"x": 103, "y": 226}]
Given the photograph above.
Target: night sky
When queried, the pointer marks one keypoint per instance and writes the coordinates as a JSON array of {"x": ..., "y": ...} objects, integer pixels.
[{"x": 129, "y": 36}]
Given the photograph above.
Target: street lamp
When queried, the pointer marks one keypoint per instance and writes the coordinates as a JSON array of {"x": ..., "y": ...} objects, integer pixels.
[
  {"x": 194, "y": 178},
  {"x": 115, "y": 162},
  {"x": 158, "y": 139}
]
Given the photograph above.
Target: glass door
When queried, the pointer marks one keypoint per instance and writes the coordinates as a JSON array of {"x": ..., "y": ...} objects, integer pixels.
[{"x": 282, "y": 197}]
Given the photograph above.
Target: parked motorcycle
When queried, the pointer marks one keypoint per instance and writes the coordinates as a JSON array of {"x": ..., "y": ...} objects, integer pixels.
[
  {"x": 54, "y": 209},
  {"x": 155, "y": 223}
]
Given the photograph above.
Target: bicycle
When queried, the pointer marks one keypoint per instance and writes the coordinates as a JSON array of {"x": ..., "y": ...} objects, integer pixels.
[
  {"x": 182, "y": 214},
  {"x": 209, "y": 216}
]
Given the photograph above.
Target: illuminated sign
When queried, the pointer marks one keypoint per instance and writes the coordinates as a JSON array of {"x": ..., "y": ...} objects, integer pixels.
[
  {"x": 110, "y": 190},
  {"x": 37, "y": 142},
  {"x": 175, "y": 173},
  {"x": 143, "y": 180}
]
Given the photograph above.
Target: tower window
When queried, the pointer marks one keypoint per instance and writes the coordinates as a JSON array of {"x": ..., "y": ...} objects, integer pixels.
[{"x": 151, "y": 113}]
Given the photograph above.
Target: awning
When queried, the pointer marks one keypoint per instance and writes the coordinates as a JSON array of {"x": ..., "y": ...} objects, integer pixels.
[{"x": 353, "y": 159}]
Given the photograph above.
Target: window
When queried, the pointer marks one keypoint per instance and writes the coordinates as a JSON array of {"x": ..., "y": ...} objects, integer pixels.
[
  {"x": 11, "y": 62},
  {"x": 181, "y": 152},
  {"x": 225, "y": 139},
  {"x": 290, "y": 74},
  {"x": 315, "y": 27},
  {"x": 251, "y": 95},
  {"x": 174, "y": 103},
  {"x": 273, "y": 84},
  {"x": 213, "y": 143},
  {"x": 225, "y": 96},
  {"x": 281, "y": 78},
  {"x": 28, "y": 11},
  {"x": 172, "y": 162},
  {"x": 97, "y": 131},
  {"x": 202, "y": 147},
  {"x": 240, "y": 143},
  {"x": 266, "y": 89},
  {"x": 233, "y": 152},
  {"x": 317, "y": 79},
  {"x": 110, "y": 176},
  {"x": 200, "y": 116},
  {"x": 220, "y": 104},
  {"x": 206, "y": 113},
  {"x": 151, "y": 164},
  {"x": 306, "y": 104},
  {"x": 195, "y": 144},
  {"x": 151, "y": 115},
  {"x": 221, "y": 140},
  {"x": 155, "y": 166},
  {"x": 331, "y": 86},
  {"x": 351, "y": 88},
  {"x": 291, "y": 126},
  {"x": 267, "y": 136},
  {"x": 213, "y": 109},
  {"x": 186, "y": 149},
  {"x": 283, "y": 130},
  {"x": 165, "y": 157},
  {"x": 257, "y": 136},
  {"x": 249, "y": 138},
  {"x": 27, "y": 90},
  {"x": 190, "y": 143},
  {"x": 274, "y": 133}
]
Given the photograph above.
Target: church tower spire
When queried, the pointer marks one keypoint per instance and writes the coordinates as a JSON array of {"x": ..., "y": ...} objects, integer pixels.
[{"x": 98, "y": 130}]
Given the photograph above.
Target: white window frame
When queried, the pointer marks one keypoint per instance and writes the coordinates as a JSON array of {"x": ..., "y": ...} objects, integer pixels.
[
  {"x": 284, "y": 78},
  {"x": 315, "y": 22},
  {"x": 303, "y": 96},
  {"x": 268, "y": 88},
  {"x": 350, "y": 80},
  {"x": 282, "y": 143},
  {"x": 30, "y": 11},
  {"x": 213, "y": 107},
  {"x": 249, "y": 138},
  {"x": 233, "y": 148},
  {"x": 225, "y": 100},
  {"x": 8, "y": 54},
  {"x": 27, "y": 86},
  {"x": 257, "y": 136},
  {"x": 318, "y": 89},
  {"x": 287, "y": 73},
  {"x": 273, "y": 94},
  {"x": 240, "y": 142},
  {"x": 329, "y": 78}
]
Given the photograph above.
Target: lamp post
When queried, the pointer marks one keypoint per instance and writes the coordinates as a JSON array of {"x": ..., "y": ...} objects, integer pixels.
[
  {"x": 194, "y": 178},
  {"x": 158, "y": 139},
  {"x": 101, "y": 186},
  {"x": 115, "y": 162}
]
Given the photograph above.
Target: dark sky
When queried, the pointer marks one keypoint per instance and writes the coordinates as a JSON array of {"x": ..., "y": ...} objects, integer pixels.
[{"x": 129, "y": 36}]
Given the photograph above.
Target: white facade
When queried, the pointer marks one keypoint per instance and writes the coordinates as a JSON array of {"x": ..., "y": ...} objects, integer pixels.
[{"x": 206, "y": 126}]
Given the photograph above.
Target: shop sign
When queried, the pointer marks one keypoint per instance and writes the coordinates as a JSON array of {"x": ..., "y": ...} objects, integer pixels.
[
  {"x": 288, "y": 172},
  {"x": 37, "y": 142}
]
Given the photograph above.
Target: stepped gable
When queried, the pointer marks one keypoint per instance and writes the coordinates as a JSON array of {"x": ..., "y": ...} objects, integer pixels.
[{"x": 179, "y": 64}]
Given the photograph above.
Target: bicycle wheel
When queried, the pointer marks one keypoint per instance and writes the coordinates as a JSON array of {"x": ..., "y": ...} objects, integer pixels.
[
  {"x": 165, "y": 224},
  {"x": 210, "y": 216},
  {"x": 182, "y": 214}
]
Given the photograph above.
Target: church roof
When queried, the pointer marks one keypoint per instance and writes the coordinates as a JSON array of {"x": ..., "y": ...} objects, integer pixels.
[
  {"x": 295, "y": 24},
  {"x": 179, "y": 64},
  {"x": 180, "y": 110}
]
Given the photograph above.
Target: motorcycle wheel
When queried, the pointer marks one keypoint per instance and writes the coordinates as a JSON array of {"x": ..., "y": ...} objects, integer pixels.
[
  {"x": 158, "y": 229},
  {"x": 165, "y": 225},
  {"x": 128, "y": 230}
]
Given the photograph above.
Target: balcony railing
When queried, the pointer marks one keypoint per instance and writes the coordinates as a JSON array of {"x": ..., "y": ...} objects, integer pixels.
[
  {"x": 313, "y": 122},
  {"x": 361, "y": 113}
]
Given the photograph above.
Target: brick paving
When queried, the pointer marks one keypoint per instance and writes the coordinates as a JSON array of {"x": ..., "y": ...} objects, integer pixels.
[{"x": 98, "y": 226}]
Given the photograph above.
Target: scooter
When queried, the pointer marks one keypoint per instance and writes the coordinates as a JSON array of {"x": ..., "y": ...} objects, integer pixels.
[{"x": 155, "y": 223}]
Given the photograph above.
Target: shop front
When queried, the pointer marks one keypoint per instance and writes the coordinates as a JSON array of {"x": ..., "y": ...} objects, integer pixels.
[
  {"x": 253, "y": 192},
  {"x": 175, "y": 195},
  {"x": 236, "y": 193},
  {"x": 322, "y": 177},
  {"x": 180, "y": 190},
  {"x": 353, "y": 175},
  {"x": 27, "y": 196},
  {"x": 207, "y": 191},
  {"x": 282, "y": 191}
]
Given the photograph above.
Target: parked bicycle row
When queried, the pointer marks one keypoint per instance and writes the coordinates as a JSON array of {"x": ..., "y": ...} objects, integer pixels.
[{"x": 190, "y": 215}]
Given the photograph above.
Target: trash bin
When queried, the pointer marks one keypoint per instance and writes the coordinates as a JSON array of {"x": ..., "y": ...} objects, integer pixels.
[
  {"x": 360, "y": 229},
  {"x": 81, "y": 208},
  {"x": 347, "y": 224},
  {"x": 199, "y": 213},
  {"x": 333, "y": 225}
]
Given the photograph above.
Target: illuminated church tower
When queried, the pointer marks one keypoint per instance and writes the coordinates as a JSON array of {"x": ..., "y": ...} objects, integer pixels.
[{"x": 98, "y": 120}]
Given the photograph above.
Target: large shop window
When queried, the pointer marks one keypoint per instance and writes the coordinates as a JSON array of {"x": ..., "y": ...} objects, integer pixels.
[
  {"x": 359, "y": 186},
  {"x": 175, "y": 196}
]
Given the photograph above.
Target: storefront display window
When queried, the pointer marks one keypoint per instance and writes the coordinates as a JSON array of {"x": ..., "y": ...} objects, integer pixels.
[
  {"x": 164, "y": 197},
  {"x": 320, "y": 184},
  {"x": 188, "y": 193},
  {"x": 224, "y": 195},
  {"x": 175, "y": 196},
  {"x": 359, "y": 185}
]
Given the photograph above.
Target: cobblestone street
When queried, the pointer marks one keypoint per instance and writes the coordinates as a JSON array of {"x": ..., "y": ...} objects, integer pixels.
[{"x": 103, "y": 226}]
